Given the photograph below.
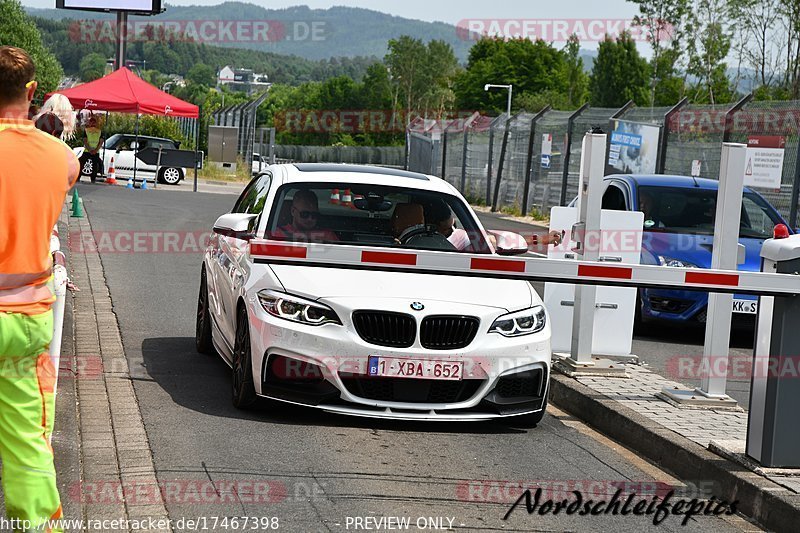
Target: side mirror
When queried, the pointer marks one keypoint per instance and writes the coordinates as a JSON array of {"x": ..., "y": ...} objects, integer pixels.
[
  {"x": 236, "y": 225},
  {"x": 134, "y": 145},
  {"x": 509, "y": 243}
]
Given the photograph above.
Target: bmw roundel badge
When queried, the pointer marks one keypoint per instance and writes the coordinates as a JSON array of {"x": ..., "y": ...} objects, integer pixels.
[{"x": 417, "y": 306}]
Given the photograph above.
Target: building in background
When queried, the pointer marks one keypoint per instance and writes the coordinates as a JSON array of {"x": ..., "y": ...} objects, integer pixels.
[{"x": 242, "y": 79}]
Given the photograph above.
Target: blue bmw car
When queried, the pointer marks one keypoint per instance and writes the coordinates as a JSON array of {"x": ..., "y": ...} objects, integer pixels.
[{"x": 679, "y": 232}]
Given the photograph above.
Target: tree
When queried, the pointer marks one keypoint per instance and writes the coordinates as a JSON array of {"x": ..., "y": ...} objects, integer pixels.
[
  {"x": 404, "y": 62},
  {"x": 708, "y": 51},
  {"x": 530, "y": 66},
  {"x": 759, "y": 37},
  {"x": 17, "y": 29},
  {"x": 93, "y": 67},
  {"x": 663, "y": 20},
  {"x": 202, "y": 74},
  {"x": 577, "y": 80},
  {"x": 790, "y": 21},
  {"x": 619, "y": 74}
]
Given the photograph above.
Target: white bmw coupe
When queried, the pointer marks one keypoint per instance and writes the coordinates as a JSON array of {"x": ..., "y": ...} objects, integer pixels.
[{"x": 370, "y": 342}]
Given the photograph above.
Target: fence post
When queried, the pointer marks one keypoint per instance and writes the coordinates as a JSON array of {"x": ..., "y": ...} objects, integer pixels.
[
  {"x": 529, "y": 162},
  {"x": 408, "y": 149},
  {"x": 272, "y": 146},
  {"x": 464, "y": 160},
  {"x": 489, "y": 166},
  {"x": 726, "y": 135},
  {"x": 444, "y": 154},
  {"x": 500, "y": 164},
  {"x": 568, "y": 151},
  {"x": 795, "y": 191},
  {"x": 663, "y": 141}
]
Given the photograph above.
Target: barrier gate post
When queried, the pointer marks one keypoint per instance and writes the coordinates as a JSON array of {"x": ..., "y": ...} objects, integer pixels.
[
  {"x": 586, "y": 236},
  {"x": 773, "y": 434},
  {"x": 725, "y": 255}
]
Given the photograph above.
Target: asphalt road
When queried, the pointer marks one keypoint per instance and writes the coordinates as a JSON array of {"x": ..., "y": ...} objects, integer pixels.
[{"x": 321, "y": 469}]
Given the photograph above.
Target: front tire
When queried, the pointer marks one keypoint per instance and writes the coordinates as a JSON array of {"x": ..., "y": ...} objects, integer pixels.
[
  {"x": 170, "y": 175},
  {"x": 202, "y": 336},
  {"x": 244, "y": 392}
]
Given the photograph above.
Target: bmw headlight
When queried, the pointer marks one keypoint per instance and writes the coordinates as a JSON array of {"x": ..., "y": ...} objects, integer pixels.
[
  {"x": 297, "y": 309},
  {"x": 677, "y": 263},
  {"x": 523, "y": 322}
]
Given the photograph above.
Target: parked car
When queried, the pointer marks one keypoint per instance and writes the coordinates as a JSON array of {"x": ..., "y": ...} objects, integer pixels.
[
  {"x": 344, "y": 340},
  {"x": 122, "y": 147},
  {"x": 679, "y": 232}
]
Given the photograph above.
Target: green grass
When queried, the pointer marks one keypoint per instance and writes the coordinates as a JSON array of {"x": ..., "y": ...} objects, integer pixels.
[{"x": 213, "y": 172}]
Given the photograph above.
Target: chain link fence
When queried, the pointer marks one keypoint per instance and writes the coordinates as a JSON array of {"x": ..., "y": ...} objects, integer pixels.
[{"x": 503, "y": 161}]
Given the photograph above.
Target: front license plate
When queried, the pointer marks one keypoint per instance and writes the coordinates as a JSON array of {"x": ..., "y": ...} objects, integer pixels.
[
  {"x": 394, "y": 367},
  {"x": 749, "y": 307}
]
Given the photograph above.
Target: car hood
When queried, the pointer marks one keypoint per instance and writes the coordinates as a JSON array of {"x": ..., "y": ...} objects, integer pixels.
[
  {"x": 322, "y": 283},
  {"x": 695, "y": 249}
]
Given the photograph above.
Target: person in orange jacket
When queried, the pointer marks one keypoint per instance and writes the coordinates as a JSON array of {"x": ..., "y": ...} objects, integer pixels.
[{"x": 36, "y": 172}]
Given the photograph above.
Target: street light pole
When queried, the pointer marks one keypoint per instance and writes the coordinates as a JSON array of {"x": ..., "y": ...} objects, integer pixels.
[{"x": 510, "y": 92}]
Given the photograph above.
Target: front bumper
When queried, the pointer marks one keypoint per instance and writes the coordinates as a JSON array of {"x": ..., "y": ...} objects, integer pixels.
[
  {"x": 326, "y": 367},
  {"x": 683, "y": 306}
]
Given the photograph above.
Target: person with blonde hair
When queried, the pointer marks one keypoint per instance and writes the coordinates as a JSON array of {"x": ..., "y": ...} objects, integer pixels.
[{"x": 59, "y": 105}]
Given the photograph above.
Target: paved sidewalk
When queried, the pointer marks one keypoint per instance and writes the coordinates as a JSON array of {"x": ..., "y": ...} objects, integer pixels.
[
  {"x": 694, "y": 444},
  {"x": 638, "y": 392},
  {"x": 114, "y": 451},
  {"x": 710, "y": 428}
]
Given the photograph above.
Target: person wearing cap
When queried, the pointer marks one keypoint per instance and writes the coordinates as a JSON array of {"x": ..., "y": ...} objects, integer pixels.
[{"x": 36, "y": 173}]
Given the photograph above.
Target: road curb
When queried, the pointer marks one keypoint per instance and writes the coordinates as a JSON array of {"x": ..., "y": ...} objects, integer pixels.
[
  {"x": 116, "y": 459},
  {"x": 769, "y": 504}
]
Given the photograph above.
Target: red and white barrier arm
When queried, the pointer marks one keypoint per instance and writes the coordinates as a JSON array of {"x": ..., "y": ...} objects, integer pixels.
[{"x": 527, "y": 268}]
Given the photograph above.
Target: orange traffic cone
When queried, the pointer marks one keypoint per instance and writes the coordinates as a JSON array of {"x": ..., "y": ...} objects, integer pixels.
[
  {"x": 335, "y": 197},
  {"x": 111, "y": 179},
  {"x": 347, "y": 198}
]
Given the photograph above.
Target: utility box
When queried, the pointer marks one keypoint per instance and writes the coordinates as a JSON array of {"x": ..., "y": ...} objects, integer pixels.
[
  {"x": 773, "y": 434},
  {"x": 223, "y": 143}
]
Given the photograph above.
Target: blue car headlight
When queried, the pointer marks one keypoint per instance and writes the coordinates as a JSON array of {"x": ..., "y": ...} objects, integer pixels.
[
  {"x": 519, "y": 323},
  {"x": 677, "y": 263},
  {"x": 297, "y": 309}
]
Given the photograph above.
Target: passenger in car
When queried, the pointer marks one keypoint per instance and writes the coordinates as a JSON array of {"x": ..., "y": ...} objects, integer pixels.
[
  {"x": 305, "y": 215},
  {"x": 438, "y": 213}
]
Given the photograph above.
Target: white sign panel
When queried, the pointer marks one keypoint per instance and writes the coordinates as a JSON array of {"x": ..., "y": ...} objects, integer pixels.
[
  {"x": 764, "y": 168},
  {"x": 547, "y": 149},
  {"x": 696, "y": 167},
  {"x": 620, "y": 243}
]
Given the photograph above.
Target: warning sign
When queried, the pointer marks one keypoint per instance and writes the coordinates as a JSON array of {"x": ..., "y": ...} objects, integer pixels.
[{"x": 764, "y": 163}]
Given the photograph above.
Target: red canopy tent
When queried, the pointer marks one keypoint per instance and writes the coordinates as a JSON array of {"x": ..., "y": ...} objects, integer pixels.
[{"x": 122, "y": 91}]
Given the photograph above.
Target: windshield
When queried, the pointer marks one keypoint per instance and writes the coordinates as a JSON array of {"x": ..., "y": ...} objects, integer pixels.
[
  {"x": 690, "y": 210},
  {"x": 111, "y": 141},
  {"x": 374, "y": 215}
]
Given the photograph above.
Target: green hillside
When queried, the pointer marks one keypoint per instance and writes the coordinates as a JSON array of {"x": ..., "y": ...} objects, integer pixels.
[{"x": 341, "y": 31}]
